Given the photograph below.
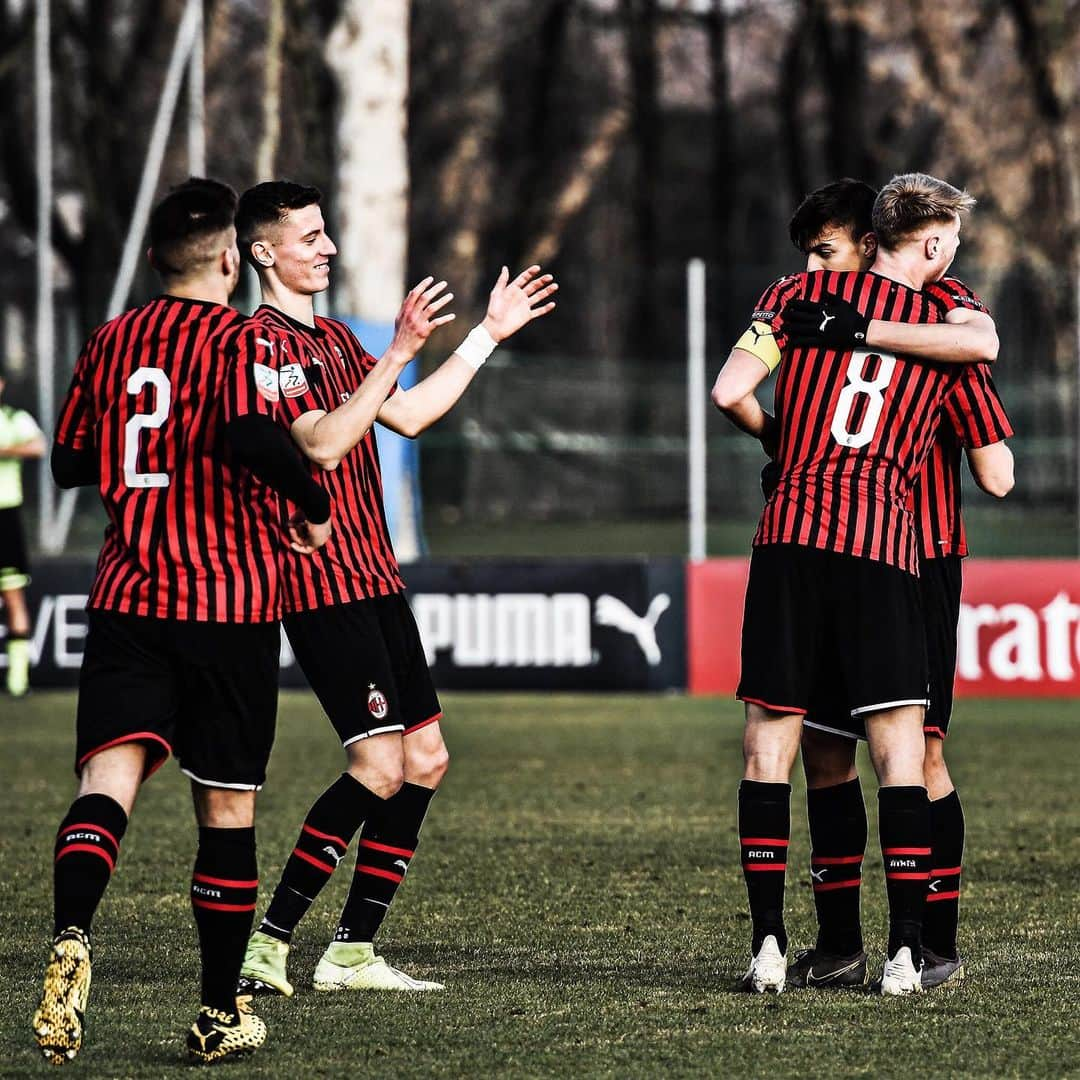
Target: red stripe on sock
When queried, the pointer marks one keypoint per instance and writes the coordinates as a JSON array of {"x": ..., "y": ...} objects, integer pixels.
[
  {"x": 212, "y": 906},
  {"x": 835, "y": 860},
  {"x": 750, "y": 841},
  {"x": 764, "y": 866},
  {"x": 943, "y": 896},
  {"x": 947, "y": 870},
  {"x": 228, "y": 882},
  {"x": 907, "y": 877},
  {"x": 905, "y": 851},
  {"x": 326, "y": 867},
  {"x": 828, "y": 886},
  {"x": 324, "y": 836},
  {"x": 91, "y": 828},
  {"x": 90, "y": 849},
  {"x": 387, "y": 848},
  {"x": 375, "y": 871}
]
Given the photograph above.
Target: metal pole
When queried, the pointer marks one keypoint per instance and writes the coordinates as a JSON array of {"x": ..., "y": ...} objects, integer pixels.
[
  {"x": 188, "y": 41},
  {"x": 155, "y": 152},
  {"x": 695, "y": 404},
  {"x": 44, "y": 329},
  {"x": 197, "y": 100}
]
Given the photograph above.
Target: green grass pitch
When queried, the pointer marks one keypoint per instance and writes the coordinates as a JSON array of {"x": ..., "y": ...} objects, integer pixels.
[{"x": 578, "y": 890}]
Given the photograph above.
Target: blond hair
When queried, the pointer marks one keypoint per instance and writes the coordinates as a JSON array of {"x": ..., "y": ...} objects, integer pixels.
[{"x": 910, "y": 201}]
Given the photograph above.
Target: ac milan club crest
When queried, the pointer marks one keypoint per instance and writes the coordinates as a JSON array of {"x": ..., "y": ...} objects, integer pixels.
[{"x": 376, "y": 702}]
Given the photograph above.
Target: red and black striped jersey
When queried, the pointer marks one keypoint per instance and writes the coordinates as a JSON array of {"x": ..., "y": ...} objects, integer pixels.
[
  {"x": 358, "y": 560},
  {"x": 974, "y": 417},
  {"x": 856, "y": 425},
  {"x": 192, "y": 535}
]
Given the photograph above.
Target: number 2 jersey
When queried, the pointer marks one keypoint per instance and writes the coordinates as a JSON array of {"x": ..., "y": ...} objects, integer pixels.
[
  {"x": 192, "y": 535},
  {"x": 856, "y": 425}
]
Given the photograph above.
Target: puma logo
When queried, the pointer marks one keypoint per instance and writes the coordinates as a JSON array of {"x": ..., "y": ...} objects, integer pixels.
[
  {"x": 610, "y": 611},
  {"x": 825, "y": 321},
  {"x": 333, "y": 854},
  {"x": 818, "y": 875}
]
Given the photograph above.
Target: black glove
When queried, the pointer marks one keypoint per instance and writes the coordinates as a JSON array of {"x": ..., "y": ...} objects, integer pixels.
[
  {"x": 829, "y": 323},
  {"x": 770, "y": 478}
]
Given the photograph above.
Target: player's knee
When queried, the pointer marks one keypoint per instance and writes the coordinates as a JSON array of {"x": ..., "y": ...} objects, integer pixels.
[
  {"x": 384, "y": 777},
  {"x": 222, "y": 808},
  {"x": 427, "y": 768}
]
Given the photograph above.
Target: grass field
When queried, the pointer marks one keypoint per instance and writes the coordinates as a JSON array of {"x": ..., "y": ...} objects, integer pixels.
[{"x": 578, "y": 890}]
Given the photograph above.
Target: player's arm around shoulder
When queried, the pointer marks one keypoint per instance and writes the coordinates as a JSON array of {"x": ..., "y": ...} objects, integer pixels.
[
  {"x": 511, "y": 305},
  {"x": 967, "y": 335}
]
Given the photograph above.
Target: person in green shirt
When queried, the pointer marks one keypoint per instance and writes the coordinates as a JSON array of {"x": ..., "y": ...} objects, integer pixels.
[{"x": 20, "y": 438}]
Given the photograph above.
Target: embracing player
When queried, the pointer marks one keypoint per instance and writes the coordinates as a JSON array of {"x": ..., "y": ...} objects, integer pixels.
[
  {"x": 182, "y": 645},
  {"x": 833, "y": 579},
  {"x": 347, "y": 617},
  {"x": 834, "y": 227}
]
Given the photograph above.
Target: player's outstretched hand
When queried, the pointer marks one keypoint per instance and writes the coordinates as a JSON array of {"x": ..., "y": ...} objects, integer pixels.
[
  {"x": 306, "y": 537},
  {"x": 419, "y": 315},
  {"x": 512, "y": 304},
  {"x": 830, "y": 323}
]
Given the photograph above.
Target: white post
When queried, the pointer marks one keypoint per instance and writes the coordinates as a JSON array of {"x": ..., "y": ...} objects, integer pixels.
[
  {"x": 44, "y": 329},
  {"x": 196, "y": 134},
  {"x": 695, "y": 404}
]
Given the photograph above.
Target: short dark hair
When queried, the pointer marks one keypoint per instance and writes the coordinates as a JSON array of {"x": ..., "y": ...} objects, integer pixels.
[
  {"x": 180, "y": 225},
  {"x": 844, "y": 202},
  {"x": 269, "y": 203}
]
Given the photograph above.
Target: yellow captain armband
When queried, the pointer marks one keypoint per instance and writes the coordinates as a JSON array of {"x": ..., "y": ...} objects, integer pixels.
[{"x": 760, "y": 340}]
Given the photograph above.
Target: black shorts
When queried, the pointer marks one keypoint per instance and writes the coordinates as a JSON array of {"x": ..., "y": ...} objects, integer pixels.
[
  {"x": 940, "y": 582},
  {"x": 366, "y": 664},
  {"x": 207, "y": 692},
  {"x": 823, "y": 627},
  {"x": 14, "y": 564}
]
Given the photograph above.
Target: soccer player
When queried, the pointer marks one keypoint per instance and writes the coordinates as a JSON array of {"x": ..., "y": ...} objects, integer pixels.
[
  {"x": 20, "y": 440},
  {"x": 833, "y": 577},
  {"x": 183, "y": 637},
  {"x": 833, "y": 227},
  {"x": 347, "y": 617}
]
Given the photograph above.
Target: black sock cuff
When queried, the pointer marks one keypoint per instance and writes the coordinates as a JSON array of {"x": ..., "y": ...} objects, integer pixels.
[
  {"x": 761, "y": 791},
  {"x": 230, "y": 852},
  {"x": 949, "y": 804},
  {"x": 11, "y": 636},
  {"x": 902, "y": 797},
  {"x": 101, "y": 810},
  {"x": 836, "y": 797}
]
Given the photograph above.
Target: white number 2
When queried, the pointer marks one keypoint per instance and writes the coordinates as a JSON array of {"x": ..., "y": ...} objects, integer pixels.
[
  {"x": 140, "y": 421},
  {"x": 875, "y": 399}
]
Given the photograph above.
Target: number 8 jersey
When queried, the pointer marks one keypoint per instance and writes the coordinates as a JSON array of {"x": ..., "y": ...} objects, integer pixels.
[
  {"x": 192, "y": 535},
  {"x": 855, "y": 425}
]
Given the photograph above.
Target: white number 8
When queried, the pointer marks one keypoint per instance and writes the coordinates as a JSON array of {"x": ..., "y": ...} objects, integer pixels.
[
  {"x": 873, "y": 391},
  {"x": 140, "y": 421}
]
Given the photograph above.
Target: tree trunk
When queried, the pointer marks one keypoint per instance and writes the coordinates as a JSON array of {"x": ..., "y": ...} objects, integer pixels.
[{"x": 368, "y": 53}]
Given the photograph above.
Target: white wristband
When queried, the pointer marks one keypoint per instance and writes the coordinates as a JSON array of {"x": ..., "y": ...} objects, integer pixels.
[{"x": 477, "y": 347}]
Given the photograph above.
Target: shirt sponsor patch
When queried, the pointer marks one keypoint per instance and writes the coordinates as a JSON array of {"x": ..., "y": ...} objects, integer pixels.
[
  {"x": 293, "y": 380},
  {"x": 266, "y": 381},
  {"x": 763, "y": 316}
]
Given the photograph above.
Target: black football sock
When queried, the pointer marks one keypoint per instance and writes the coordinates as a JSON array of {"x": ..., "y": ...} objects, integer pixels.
[
  {"x": 942, "y": 913},
  {"x": 87, "y": 847},
  {"x": 904, "y": 825},
  {"x": 324, "y": 838},
  {"x": 764, "y": 831},
  {"x": 837, "y": 818},
  {"x": 224, "y": 886},
  {"x": 387, "y": 844}
]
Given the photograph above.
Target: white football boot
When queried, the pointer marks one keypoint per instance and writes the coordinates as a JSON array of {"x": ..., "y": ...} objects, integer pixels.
[{"x": 768, "y": 969}]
